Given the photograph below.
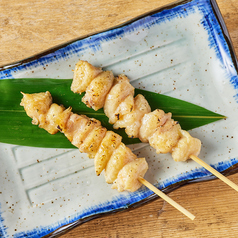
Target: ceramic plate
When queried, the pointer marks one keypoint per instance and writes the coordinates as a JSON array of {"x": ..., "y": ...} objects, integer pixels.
[{"x": 182, "y": 50}]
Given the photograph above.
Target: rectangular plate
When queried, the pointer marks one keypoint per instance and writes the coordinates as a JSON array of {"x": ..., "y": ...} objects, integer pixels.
[{"x": 182, "y": 50}]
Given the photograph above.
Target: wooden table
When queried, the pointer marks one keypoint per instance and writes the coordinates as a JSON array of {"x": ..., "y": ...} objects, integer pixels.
[{"x": 29, "y": 27}]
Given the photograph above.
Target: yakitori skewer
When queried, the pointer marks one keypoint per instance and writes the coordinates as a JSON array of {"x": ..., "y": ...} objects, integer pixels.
[
  {"x": 121, "y": 167},
  {"x": 116, "y": 96}
]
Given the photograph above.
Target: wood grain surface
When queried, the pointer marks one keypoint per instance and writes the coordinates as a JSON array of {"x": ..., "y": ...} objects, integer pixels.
[{"x": 28, "y": 27}]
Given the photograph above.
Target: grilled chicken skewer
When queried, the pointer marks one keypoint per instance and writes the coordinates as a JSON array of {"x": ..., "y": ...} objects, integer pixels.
[
  {"x": 116, "y": 96},
  {"x": 121, "y": 167}
]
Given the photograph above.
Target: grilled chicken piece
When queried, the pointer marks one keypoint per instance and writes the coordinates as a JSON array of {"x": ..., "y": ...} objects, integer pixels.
[
  {"x": 125, "y": 107},
  {"x": 150, "y": 122},
  {"x": 132, "y": 120},
  {"x": 134, "y": 114},
  {"x": 49, "y": 122},
  {"x": 185, "y": 147},
  {"x": 119, "y": 158},
  {"x": 165, "y": 137},
  {"x": 42, "y": 113},
  {"x": 92, "y": 142},
  {"x": 85, "y": 133},
  {"x": 35, "y": 105},
  {"x": 97, "y": 90},
  {"x": 109, "y": 144},
  {"x": 119, "y": 91},
  {"x": 84, "y": 73},
  {"x": 127, "y": 178}
]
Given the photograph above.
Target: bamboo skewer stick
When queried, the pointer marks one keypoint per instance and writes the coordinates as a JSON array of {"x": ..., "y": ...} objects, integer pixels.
[
  {"x": 166, "y": 198},
  {"x": 214, "y": 172},
  {"x": 176, "y": 205}
]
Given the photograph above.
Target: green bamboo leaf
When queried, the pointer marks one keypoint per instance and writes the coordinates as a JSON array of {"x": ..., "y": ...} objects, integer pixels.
[{"x": 16, "y": 127}]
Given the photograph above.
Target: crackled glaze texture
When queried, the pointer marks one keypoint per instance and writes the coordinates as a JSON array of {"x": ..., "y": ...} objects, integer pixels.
[{"x": 179, "y": 51}]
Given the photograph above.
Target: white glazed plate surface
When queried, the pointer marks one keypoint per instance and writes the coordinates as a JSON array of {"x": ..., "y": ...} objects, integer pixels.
[{"x": 182, "y": 51}]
